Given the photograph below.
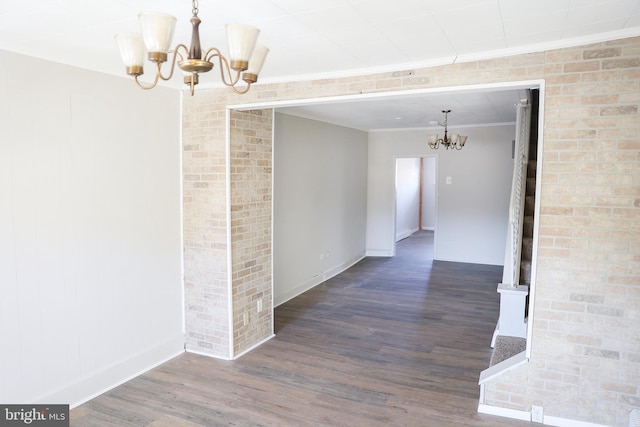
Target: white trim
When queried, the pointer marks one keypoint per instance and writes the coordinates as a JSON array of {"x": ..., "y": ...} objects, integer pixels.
[
  {"x": 316, "y": 280},
  {"x": 498, "y": 369},
  {"x": 552, "y": 45},
  {"x": 202, "y": 353},
  {"x": 379, "y": 252},
  {"x": 449, "y": 259},
  {"x": 354, "y": 72},
  {"x": 447, "y": 60},
  {"x": 404, "y": 235},
  {"x": 526, "y": 416},
  {"x": 111, "y": 377},
  {"x": 566, "y": 422},
  {"x": 536, "y": 214},
  {"x": 522, "y": 84},
  {"x": 273, "y": 157},
  {"x": 504, "y": 412},
  {"x": 256, "y": 345},
  {"x": 181, "y": 179},
  {"x": 228, "y": 219}
]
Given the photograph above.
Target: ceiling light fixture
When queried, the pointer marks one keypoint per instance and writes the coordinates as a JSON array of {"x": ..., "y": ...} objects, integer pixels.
[
  {"x": 157, "y": 33},
  {"x": 455, "y": 141}
]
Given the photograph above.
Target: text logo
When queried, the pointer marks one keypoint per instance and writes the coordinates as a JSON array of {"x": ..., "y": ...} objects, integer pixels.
[{"x": 34, "y": 415}]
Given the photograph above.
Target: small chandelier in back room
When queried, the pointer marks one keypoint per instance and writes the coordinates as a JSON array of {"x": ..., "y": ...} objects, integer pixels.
[
  {"x": 454, "y": 141},
  {"x": 157, "y": 32}
]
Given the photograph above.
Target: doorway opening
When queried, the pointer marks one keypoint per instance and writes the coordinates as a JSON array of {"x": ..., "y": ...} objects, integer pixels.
[{"x": 416, "y": 197}]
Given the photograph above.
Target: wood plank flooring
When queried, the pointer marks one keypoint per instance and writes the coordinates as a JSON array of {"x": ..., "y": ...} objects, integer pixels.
[{"x": 391, "y": 342}]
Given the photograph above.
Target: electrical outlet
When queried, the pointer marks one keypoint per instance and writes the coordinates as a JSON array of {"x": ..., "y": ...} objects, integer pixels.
[
  {"x": 259, "y": 305},
  {"x": 246, "y": 319},
  {"x": 537, "y": 415}
]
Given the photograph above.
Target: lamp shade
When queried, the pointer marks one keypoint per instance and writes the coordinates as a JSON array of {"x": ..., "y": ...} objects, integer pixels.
[
  {"x": 257, "y": 59},
  {"x": 157, "y": 30},
  {"x": 131, "y": 48},
  {"x": 242, "y": 40}
]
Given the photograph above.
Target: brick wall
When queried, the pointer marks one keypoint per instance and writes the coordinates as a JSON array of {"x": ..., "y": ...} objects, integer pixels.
[
  {"x": 251, "y": 179},
  {"x": 586, "y": 343},
  {"x": 585, "y": 360},
  {"x": 205, "y": 227}
]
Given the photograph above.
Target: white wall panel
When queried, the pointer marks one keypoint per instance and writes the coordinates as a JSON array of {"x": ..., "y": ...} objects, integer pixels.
[{"x": 90, "y": 259}]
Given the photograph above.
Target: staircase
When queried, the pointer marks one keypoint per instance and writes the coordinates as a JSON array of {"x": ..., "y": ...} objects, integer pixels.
[
  {"x": 526, "y": 254},
  {"x": 516, "y": 280},
  {"x": 509, "y": 339}
]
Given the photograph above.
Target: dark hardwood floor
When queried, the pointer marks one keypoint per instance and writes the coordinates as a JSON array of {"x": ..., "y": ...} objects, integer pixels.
[{"x": 391, "y": 342}]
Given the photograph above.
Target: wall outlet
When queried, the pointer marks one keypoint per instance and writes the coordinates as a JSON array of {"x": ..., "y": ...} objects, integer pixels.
[
  {"x": 259, "y": 305},
  {"x": 448, "y": 180},
  {"x": 246, "y": 319},
  {"x": 537, "y": 416}
]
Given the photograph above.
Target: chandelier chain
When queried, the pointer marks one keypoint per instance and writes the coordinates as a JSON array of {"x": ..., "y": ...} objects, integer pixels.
[
  {"x": 194, "y": 7},
  {"x": 454, "y": 141}
]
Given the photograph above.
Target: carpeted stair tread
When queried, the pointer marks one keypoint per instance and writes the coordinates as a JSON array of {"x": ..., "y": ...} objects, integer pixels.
[{"x": 506, "y": 347}]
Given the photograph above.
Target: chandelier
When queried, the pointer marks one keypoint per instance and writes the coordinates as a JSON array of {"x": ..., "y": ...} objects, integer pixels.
[
  {"x": 454, "y": 141},
  {"x": 157, "y": 32}
]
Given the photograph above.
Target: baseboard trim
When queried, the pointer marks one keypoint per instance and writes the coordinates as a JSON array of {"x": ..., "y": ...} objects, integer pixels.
[
  {"x": 566, "y": 422},
  {"x": 504, "y": 412},
  {"x": 315, "y": 281},
  {"x": 242, "y": 353},
  {"x": 202, "y": 353},
  {"x": 526, "y": 416},
  {"x": 379, "y": 252},
  {"x": 111, "y": 377},
  {"x": 403, "y": 235}
]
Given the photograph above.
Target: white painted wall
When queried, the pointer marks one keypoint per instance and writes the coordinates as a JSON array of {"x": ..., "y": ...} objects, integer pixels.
[
  {"x": 429, "y": 193},
  {"x": 90, "y": 258},
  {"x": 407, "y": 197},
  {"x": 320, "y": 179},
  {"x": 472, "y": 211}
]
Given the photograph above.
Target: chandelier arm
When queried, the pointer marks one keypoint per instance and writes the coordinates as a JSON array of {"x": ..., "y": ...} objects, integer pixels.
[
  {"x": 192, "y": 87},
  {"x": 155, "y": 81},
  {"x": 241, "y": 92},
  {"x": 225, "y": 69},
  {"x": 176, "y": 52}
]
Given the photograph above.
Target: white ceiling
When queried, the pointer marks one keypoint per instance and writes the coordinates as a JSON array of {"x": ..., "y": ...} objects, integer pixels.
[{"x": 329, "y": 38}]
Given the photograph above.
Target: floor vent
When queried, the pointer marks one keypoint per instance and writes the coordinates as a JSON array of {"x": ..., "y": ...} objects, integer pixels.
[{"x": 634, "y": 418}]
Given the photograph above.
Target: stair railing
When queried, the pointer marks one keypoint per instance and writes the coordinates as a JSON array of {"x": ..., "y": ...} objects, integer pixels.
[{"x": 513, "y": 247}]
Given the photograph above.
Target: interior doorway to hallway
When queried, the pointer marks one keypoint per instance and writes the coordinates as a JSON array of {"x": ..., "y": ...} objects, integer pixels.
[{"x": 416, "y": 195}]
